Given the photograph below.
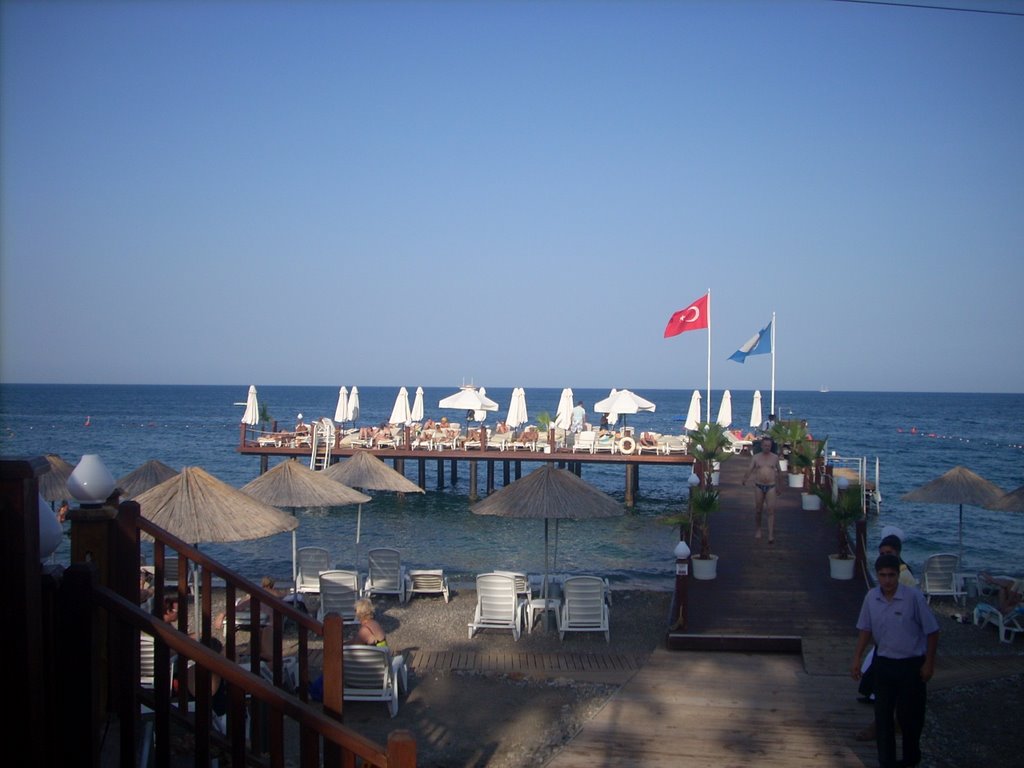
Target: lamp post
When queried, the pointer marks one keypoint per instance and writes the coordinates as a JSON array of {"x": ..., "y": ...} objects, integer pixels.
[
  {"x": 682, "y": 553},
  {"x": 92, "y": 541}
]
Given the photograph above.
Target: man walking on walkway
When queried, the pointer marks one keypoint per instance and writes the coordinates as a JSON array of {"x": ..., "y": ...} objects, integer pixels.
[
  {"x": 906, "y": 636},
  {"x": 764, "y": 466}
]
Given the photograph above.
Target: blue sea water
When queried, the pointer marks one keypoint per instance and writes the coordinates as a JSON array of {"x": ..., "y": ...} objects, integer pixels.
[{"x": 913, "y": 437}]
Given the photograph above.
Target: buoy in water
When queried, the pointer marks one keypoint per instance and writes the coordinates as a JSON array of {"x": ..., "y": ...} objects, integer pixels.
[{"x": 87, "y": 421}]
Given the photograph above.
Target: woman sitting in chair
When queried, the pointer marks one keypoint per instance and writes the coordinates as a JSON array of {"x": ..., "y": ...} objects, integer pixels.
[{"x": 370, "y": 631}]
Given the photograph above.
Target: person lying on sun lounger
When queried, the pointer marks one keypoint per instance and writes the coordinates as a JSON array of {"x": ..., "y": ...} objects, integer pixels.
[{"x": 1010, "y": 591}]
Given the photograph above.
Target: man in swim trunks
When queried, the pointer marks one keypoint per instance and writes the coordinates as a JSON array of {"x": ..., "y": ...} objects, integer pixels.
[{"x": 764, "y": 466}]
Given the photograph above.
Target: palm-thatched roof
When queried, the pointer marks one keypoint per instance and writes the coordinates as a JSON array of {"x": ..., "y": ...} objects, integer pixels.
[
  {"x": 957, "y": 486},
  {"x": 197, "y": 507},
  {"x": 364, "y": 470},
  {"x": 144, "y": 477},
  {"x": 1009, "y": 502},
  {"x": 53, "y": 485},
  {"x": 550, "y": 493},
  {"x": 290, "y": 484}
]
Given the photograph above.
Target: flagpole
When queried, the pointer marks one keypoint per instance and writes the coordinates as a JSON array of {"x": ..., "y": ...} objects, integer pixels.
[
  {"x": 773, "y": 363},
  {"x": 708, "y": 411}
]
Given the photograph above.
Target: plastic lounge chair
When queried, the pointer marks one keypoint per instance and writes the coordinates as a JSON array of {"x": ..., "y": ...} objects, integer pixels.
[
  {"x": 941, "y": 577},
  {"x": 1009, "y": 624},
  {"x": 670, "y": 444},
  {"x": 372, "y": 674},
  {"x": 339, "y": 591},
  {"x": 312, "y": 561},
  {"x": 427, "y": 582},
  {"x": 736, "y": 445},
  {"x": 584, "y": 608},
  {"x": 497, "y": 604},
  {"x": 604, "y": 444},
  {"x": 585, "y": 442},
  {"x": 648, "y": 443},
  {"x": 386, "y": 574}
]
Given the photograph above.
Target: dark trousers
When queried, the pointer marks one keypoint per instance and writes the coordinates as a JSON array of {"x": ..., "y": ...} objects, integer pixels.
[{"x": 899, "y": 689}]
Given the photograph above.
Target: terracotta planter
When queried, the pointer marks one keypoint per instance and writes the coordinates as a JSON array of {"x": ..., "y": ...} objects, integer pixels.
[
  {"x": 841, "y": 569},
  {"x": 705, "y": 570}
]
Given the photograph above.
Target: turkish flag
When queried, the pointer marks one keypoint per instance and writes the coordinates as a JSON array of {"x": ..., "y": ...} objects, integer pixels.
[{"x": 693, "y": 318}]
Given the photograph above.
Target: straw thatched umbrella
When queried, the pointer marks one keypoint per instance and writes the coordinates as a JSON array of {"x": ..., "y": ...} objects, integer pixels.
[
  {"x": 291, "y": 484},
  {"x": 549, "y": 493},
  {"x": 53, "y": 485},
  {"x": 364, "y": 470},
  {"x": 1009, "y": 502},
  {"x": 198, "y": 508},
  {"x": 957, "y": 486},
  {"x": 141, "y": 479}
]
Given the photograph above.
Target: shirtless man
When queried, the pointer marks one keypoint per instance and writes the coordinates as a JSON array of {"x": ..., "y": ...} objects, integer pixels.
[{"x": 764, "y": 466}]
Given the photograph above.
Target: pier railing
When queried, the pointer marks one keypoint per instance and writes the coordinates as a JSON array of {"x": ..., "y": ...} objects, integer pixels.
[{"x": 75, "y": 652}]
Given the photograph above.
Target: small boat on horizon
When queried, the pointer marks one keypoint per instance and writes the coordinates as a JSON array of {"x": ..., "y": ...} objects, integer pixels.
[{"x": 824, "y": 388}]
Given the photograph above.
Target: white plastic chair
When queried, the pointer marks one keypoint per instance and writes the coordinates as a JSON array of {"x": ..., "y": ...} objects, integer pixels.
[
  {"x": 385, "y": 574},
  {"x": 370, "y": 673},
  {"x": 311, "y": 561},
  {"x": 584, "y": 607},
  {"x": 498, "y": 606},
  {"x": 339, "y": 591},
  {"x": 941, "y": 577},
  {"x": 427, "y": 582}
]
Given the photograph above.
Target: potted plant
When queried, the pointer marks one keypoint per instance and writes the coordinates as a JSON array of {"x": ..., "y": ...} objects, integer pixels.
[
  {"x": 544, "y": 424},
  {"x": 703, "y": 502},
  {"x": 844, "y": 509},
  {"x": 803, "y": 460},
  {"x": 787, "y": 435},
  {"x": 708, "y": 446}
]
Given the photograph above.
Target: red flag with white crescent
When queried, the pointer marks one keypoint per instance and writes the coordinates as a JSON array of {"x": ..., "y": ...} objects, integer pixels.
[{"x": 693, "y": 318}]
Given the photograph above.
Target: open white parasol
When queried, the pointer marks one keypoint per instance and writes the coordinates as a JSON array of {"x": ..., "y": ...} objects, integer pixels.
[
  {"x": 621, "y": 402},
  {"x": 468, "y": 398}
]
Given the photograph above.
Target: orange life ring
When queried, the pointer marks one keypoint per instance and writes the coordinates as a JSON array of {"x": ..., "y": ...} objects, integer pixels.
[{"x": 627, "y": 445}]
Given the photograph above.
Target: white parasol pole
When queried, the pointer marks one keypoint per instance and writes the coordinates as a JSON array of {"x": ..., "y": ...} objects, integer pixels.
[
  {"x": 772, "y": 411},
  {"x": 708, "y": 409}
]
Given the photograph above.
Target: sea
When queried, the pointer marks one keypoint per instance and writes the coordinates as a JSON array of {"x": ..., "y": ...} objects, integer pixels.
[{"x": 902, "y": 439}]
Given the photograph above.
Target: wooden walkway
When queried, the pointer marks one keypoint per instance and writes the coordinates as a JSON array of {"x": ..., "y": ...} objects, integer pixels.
[{"x": 697, "y": 707}]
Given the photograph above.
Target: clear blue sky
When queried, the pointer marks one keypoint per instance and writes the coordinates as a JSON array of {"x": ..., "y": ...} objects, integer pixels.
[{"x": 517, "y": 194}]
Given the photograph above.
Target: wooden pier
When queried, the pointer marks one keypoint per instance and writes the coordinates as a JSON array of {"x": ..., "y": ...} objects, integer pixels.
[{"x": 509, "y": 462}]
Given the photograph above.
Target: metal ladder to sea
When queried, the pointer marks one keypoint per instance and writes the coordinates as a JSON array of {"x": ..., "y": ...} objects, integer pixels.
[{"x": 323, "y": 442}]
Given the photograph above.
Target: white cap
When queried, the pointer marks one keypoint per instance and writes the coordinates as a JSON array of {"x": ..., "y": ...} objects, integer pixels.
[{"x": 892, "y": 530}]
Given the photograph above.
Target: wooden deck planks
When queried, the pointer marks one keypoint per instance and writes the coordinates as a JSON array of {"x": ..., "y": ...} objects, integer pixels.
[{"x": 715, "y": 709}]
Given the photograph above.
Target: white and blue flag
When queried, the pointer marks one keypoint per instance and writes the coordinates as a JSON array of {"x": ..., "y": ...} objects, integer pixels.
[{"x": 759, "y": 344}]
